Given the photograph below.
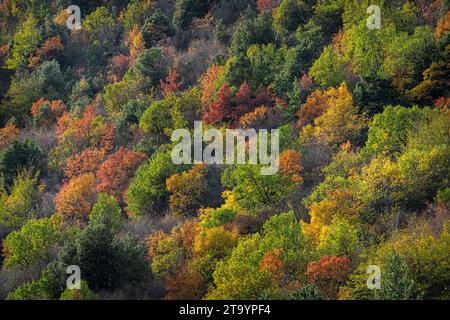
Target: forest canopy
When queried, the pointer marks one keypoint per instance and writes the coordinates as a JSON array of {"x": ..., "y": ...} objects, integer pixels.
[{"x": 87, "y": 116}]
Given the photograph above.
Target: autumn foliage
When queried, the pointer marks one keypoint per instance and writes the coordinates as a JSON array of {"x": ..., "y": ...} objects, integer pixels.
[
  {"x": 88, "y": 161},
  {"x": 115, "y": 173},
  {"x": 290, "y": 165},
  {"x": 329, "y": 274},
  {"x": 49, "y": 49},
  {"x": 264, "y": 5},
  {"x": 320, "y": 101},
  {"x": 187, "y": 190},
  {"x": 207, "y": 83},
  {"x": 229, "y": 107},
  {"x": 89, "y": 130},
  {"x": 57, "y": 107},
  {"x": 170, "y": 84},
  {"x": 8, "y": 134},
  {"x": 91, "y": 119},
  {"x": 77, "y": 196}
]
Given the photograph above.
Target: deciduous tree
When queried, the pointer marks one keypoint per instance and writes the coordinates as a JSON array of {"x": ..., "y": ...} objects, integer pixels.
[{"x": 77, "y": 196}]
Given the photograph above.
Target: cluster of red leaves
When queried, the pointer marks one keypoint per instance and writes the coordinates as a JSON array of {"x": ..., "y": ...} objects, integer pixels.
[
  {"x": 442, "y": 103},
  {"x": 230, "y": 108},
  {"x": 273, "y": 264},
  {"x": 90, "y": 138},
  {"x": 329, "y": 274},
  {"x": 114, "y": 175},
  {"x": 264, "y": 5},
  {"x": 88, "y": 130},
  {"x": 171, "y": 84},
  {"x": 57, "y": 106},
  {"x": 207, "y": 83},
  {"x": 87, "y": 161},
  {"x": 89, "y": 173}
]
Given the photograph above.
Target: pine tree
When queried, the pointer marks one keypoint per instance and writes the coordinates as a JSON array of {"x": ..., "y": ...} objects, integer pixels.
[
  {"x": 294, "y": 102},
  {"x": 396, "y": 283}
]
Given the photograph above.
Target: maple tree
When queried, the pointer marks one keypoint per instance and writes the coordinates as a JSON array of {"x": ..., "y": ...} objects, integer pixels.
[
  {"x": 328, "y": 274},
  {"x": 221, "y": 108},
  {"x": 115, "y": 173},
  {"x": 273, "y": 264},
  {"x": 246, "y": 104}
]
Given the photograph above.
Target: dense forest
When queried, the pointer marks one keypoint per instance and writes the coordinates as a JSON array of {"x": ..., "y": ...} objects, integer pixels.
[{"x": 86, "y": 176}]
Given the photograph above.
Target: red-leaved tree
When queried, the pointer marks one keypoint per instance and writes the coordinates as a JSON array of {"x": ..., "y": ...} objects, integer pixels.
[
  {"x": 115, "y": 174},
  {"x": 329, "y": 274}
]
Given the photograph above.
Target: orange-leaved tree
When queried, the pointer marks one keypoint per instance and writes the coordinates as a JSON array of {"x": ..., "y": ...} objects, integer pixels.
[
  {"x": 88, "y": 161},
  {"x": 115, "y": 174},
  {"x": 77, "y": 196},
  {"x": 290, "y": 165},
  {"x": 329, "y": 274}
]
